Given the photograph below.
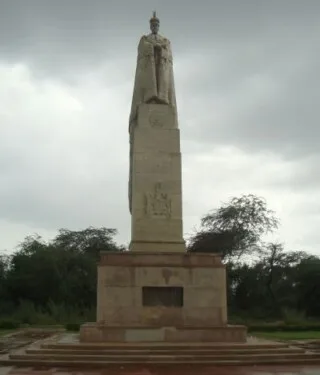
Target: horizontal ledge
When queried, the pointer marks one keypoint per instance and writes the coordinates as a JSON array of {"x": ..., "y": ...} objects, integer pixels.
[
  {"x": 160, "y": 259},
  {"x": 153, "y": 327},
  {"x": 158, "y": 253}
]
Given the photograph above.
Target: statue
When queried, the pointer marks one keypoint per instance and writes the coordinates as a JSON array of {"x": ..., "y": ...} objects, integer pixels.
[{"x": 154, "y": 78}]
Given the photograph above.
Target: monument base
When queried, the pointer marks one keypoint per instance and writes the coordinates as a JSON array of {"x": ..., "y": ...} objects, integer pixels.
[
  {"x": 162, "y": 297},
  {"x": 95, "y": 332}
]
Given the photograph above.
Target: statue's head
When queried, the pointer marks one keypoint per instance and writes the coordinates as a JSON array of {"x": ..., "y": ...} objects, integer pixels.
[{"x": 154, "y": 23}]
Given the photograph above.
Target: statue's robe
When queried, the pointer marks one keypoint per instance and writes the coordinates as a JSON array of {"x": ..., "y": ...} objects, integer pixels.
[{"x": 153, "y": 82}]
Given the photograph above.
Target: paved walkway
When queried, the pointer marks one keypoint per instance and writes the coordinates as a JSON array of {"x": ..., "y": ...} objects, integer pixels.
[{"x": 181, "y": 370}]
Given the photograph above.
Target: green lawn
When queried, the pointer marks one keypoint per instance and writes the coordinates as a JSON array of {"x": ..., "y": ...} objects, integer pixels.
[{"x": 306, "y": 335}]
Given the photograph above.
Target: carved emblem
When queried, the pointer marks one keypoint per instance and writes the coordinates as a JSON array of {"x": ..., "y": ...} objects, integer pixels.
[
  {"x": 158, "y": 203},
  {"x": 157, "y": 119}
]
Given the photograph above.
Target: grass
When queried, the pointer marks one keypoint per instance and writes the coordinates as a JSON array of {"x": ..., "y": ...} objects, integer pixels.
[{"x": 287, "y": 336}]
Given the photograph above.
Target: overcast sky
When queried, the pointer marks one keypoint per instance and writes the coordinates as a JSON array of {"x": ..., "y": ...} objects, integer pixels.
[{"x": 247, "y": 86}]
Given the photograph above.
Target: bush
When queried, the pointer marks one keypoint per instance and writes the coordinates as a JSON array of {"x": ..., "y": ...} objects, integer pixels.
[
  {"x": 293, "y": 317},
  {"x": 9, "y": 324},
  {"x": 26, "y": 312},
  {"x": 75, "y": 327}
]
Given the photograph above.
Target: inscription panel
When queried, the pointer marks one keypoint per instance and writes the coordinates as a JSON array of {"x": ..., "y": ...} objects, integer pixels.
[{"x": 162, "y": 296}]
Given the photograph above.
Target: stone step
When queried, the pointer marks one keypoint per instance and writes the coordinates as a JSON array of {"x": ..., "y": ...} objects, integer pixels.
[
  {"x": 106, "y": 364},
  {"x": 157, "y": 346},
  {"x": 196, "y": 351},
  {"x": 161, "y": 358}
]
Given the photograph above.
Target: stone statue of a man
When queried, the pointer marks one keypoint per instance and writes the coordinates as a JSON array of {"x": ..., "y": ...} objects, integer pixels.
[
  {"x": 154, "y": 74},
  {"x": 154, "y": 81}
]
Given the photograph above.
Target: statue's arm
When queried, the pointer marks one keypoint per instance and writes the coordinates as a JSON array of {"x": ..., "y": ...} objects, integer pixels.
[
  {"x": 145, "y": 47},
  {"x": 166, "y": 47}
]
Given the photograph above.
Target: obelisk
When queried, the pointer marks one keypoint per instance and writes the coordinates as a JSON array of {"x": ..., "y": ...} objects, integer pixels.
[{"x": 155, "y": 187}]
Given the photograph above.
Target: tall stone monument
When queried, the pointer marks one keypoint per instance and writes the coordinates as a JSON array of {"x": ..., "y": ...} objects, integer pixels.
[
  {"x": 157, "y": 291},
  {"x": 155, "y": 197}
]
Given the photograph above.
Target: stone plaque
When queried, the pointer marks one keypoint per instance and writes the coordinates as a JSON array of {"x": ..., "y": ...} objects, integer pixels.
[
  {"x": 162, "y": 296},
  {"x": 158, "y": 203}
]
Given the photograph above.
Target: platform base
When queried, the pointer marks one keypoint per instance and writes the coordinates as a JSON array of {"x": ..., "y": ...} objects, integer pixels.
[{"x": 95, "y": 332}]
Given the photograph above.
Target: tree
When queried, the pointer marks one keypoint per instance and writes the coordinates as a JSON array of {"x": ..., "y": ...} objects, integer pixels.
[
  {"x": 246, "y": 291},
  {"x": 4, "y": 266},
  {"x": 278, "y": 269},
  {"x": 62, "y": 270},
  {"x": 306, "y": 282},
  {"x": 271, "y": 286},
  {"x": 34, "y": 272},
  {"x": 87, "y": 241},
  {"x": 57, "y": 279},
  {"x": 236, "y": 228}
]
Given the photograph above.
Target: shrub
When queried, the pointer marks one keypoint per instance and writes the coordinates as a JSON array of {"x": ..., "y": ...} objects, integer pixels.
[
  {"x": 293, "y": 317},
  {"x": 75, "y": 327},
  {"x": 9, "y": 324},
  {"x": 26, "y": 312}
]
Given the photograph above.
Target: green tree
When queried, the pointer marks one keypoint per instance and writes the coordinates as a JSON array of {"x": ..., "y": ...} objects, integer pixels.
[
  {"x": 306, "y": 283},
  {"x": 4, "y": 266},
  {"x": 278, "y": 268},
  {"x": 246, "y": 291},
  {"x": 33, "y": 273},
  {"x": 267, "y": 287},
  {"x": 62, "y": 270},
  {"x": 236, "y": 228},
  {"x": 88, "y": 241}
]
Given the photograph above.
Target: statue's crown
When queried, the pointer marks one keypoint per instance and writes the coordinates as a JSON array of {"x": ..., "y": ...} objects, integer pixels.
[{"x": 154, "y": 17}]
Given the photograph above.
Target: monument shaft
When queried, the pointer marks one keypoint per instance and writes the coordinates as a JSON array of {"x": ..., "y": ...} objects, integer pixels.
[
  {"x": 155, "y": 188},
  {"x": 156, "y": 202}
]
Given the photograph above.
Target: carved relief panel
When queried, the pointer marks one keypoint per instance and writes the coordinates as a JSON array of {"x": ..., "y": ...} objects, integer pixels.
[
  {"x": 157, "y": 119},
  {"x": 158, "y": 203}
]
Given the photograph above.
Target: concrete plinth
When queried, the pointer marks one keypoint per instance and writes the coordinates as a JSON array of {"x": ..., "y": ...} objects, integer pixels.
[
  {"x": 95, "y": 332},
  {"x": 169, "y": 297}
]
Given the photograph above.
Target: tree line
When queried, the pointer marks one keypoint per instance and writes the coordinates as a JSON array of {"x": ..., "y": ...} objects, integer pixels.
[{"x": 54, "y": 281}]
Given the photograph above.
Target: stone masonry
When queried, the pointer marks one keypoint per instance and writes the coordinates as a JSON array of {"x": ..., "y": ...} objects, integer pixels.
[{"x": 156, "y": 223}]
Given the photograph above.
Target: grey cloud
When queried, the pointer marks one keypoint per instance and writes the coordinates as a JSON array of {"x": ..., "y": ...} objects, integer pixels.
[
  {"x": 263, "y": 51},
  {"x": 258, "y": 100},
  {"x": 60, "y": 166},
  {"x": 66, "y": 35},
  {"x": 246, "y": 75},
  {"x": 301, "y": 176}
]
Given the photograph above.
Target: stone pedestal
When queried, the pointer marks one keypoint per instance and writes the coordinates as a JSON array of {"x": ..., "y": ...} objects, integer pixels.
[
  {"x": 161, "y": 297},
  {"x": 156, "y": 223}
]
